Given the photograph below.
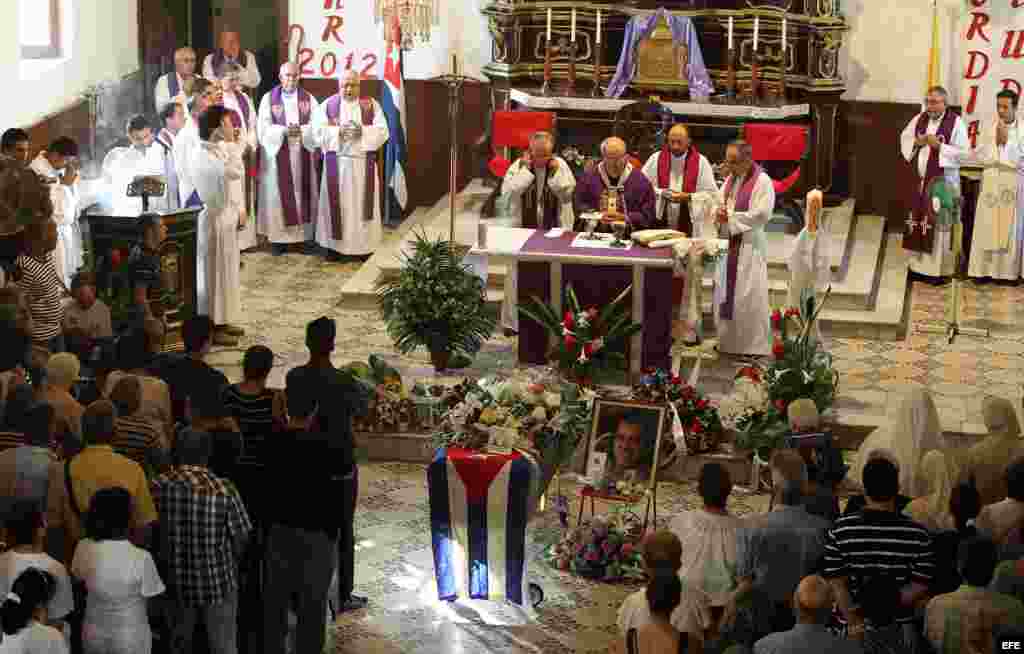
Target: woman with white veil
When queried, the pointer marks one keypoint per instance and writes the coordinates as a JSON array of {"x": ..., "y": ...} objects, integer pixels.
[{"x": 912, "y": 429}]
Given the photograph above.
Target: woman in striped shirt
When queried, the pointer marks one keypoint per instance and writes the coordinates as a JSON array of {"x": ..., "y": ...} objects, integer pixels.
[{"x": 42, "y": 286}]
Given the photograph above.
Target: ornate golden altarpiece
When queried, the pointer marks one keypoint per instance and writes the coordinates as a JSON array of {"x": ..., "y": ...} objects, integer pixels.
[{"x": 815, "y": 32}]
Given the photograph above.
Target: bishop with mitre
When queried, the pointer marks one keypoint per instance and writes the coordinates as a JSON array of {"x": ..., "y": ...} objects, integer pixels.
[
  {"x": 934, "y": 142},
  {"x": 996, "y": 244},
  {"x": 537, "y": 193},
  {"x": 288, "y": 173},
  {"x": 349, "y": 129},
  {"x": 741, "y": 310}
]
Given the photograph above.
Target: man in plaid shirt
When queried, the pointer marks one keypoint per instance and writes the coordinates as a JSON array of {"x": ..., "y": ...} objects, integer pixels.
[{"x": 204, "y": 528}]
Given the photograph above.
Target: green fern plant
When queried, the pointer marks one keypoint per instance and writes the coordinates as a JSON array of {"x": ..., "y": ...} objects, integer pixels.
[{"x": 436, "y": 301}]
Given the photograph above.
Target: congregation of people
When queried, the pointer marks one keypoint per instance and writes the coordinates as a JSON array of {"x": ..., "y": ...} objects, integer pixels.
[{"x": 925, "y": 558}]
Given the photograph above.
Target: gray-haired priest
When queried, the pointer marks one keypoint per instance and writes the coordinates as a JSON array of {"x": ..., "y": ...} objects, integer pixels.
[
  {"x": 741, "y": 310},
  {"x": 934, "y": 142},
  {"x": 536, "y": 192},
  {"x": 349, "y": 129},
  {"x": 288, "y": 181}
]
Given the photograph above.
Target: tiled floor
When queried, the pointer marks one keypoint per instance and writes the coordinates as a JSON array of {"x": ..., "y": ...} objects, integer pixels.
[{"x": 281, "y": 295}]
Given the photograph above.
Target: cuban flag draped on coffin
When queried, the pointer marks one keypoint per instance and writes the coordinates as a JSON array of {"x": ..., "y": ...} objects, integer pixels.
[
  {"x": 478, "y": 515},
  {"x": 392, "y": 102}
]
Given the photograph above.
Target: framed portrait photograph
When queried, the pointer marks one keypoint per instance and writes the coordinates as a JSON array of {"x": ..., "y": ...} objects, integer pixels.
[{"x": 628, "y": 435}]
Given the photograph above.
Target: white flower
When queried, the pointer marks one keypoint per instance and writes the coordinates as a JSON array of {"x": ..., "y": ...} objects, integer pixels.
[
  {"x": 582, "y": 319},
  {"x": 808, "y": 377},
  {"x": 552, "y": 399},
  {"x": 539, "y": 413},
  {"x": 583, "y": 357}
]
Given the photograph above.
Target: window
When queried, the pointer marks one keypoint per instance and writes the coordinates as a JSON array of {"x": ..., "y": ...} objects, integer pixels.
[{"x": 39, "y": 29}]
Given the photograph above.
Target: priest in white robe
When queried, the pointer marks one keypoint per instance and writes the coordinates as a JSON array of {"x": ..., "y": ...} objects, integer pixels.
[
  {"x": 161, "y": 156},
  {"x": 678, "y": 172},
  {"x": 536, "y": 192},
  {"x": 124, "y": 164},
  {"x": 741, "y": 310},
  {"x": 207, "y": 94},
  {"x": 237, "y": 101},
  {"x": 349, "y": 130},
  {"x": 289, "y": 185},
  {"x": 59, "y": 167},
  {"x": 215, "y": 164},
  {"x": 934, "y": 142},
  {"x": 996, "y": 244},
  {"x": 810, "y": 262},
  {"x": 177, "y": 86}
]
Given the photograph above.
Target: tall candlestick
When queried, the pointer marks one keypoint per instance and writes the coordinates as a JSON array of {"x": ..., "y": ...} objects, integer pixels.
[
  {"x": 730, "y": 32},
  {"x": 549, "y": 24},
  {"x": 572, "y": 27},
  {"x": 783, "y": 41},
  {"x": 757, "y": 26},
  {"x": 598, "y": 39}
]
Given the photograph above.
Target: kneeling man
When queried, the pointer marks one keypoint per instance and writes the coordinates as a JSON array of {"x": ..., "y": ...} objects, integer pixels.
[{"x": 537, "y": 193}]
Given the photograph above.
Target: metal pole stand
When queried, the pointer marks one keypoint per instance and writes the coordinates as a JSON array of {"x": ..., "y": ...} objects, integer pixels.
[{"x": 454, "y": 82}]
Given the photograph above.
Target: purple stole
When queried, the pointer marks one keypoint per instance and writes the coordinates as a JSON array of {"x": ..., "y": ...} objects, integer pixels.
[
  {"x": 732, "y": 263},
  {"x": 172, "y": 83},
  {"x": 243, "y": 103},
  {"x": 219, "y": 59},
  {"x": 285, "y": 181},
  {"x": 331, "y": 160},
  {"x": 919, "y": 233},
  {"x": 547, "y": 215}
]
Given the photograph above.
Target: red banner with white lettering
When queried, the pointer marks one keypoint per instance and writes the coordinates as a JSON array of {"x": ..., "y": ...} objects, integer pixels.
[{"x": 993, "y": 50}]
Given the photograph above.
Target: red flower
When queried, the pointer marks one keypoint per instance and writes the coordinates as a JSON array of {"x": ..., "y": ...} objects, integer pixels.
[
  {"x": 792, "y": 311},
  {"x": 750, "y": 372},
  {"x": 702, "y": 404},
  {"x": 676, "y": 380},
  {"x": 776, "y": 319},
  {"x": 116, "y": 256},
  {"x": 588, "y": 348},
  {"x": 592, "y": 313},
  {"x": 696, "y": 427},
  {"x": 780, "y": 405},
  {"x": 688, "y": 392},
  {"x": 568, "y": 321},
  {"x": 570, "y": 340},
  {"x": 778, "y": 349}
]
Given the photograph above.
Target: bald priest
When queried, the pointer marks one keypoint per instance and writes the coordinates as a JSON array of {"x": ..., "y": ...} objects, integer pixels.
[{"x": 615, "y": 171}]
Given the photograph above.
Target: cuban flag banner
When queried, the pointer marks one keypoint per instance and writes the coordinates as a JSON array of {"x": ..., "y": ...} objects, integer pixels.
[
  {"x": 478, "y": 515},
  {"x": 392, "y": 102}
]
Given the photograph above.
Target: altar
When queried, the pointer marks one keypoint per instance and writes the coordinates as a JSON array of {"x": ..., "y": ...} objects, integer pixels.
[{"x": 547, "y": 265}]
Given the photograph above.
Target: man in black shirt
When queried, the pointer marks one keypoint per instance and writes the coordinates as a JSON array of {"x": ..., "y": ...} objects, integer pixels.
[
  {"x": 340, "y": 396},
  {"x": 307, "y": 465},
  {"x": 189, "y": 375}
]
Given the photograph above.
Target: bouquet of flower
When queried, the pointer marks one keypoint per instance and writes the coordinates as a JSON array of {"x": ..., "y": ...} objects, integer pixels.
[
  {"x": 585, "y": 340},
  {"x": 749, "y": 412},
  {"x": 801, "y": 368},
  {"x": 605, "y": 548},
  {"x": 698, "y": 416}
]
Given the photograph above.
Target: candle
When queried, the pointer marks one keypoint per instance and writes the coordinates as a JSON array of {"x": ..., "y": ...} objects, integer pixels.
[
  {"x": 549, "y": 24},
  {"x": 783, "y": 43},
  {"x": 598, "y": 39},
  {"x": 757, "y": 26},
  {"x": 730, "y": 32},
  {"x": 572, "y": 27},
  {"x": 455, "y": 66}
]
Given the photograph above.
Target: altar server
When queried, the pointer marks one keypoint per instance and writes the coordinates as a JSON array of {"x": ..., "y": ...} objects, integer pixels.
[
  {"x": 238, "y": 102},
  {"x": 741, "y": 307},
  {"x": 207, "y": 94},
  {"x": 677, "y": 172},
  {"x": 123, "y": 164},
  {"x": 177, "y": 86},
  {"x": 215, "y": 164},
  {"x": 161, "y": 155},
  {"x": 58, "y": 165},
  {"x": 536, "y": 193},
  {"x": 289, "y": 186},
  {"x": 934, "y": 142},
  {"x": 996, "y": 244},
  {"x": 810, "y": 263},
  {"x": 616, "y": 172},
  {"x": 349, "y": 130},
  {"x": 230, "y": 52}
]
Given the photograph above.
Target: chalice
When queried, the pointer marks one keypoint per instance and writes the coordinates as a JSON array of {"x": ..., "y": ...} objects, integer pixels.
[
  {"x": 619, "y": 229},
  {"x": 590, "y": 220}
]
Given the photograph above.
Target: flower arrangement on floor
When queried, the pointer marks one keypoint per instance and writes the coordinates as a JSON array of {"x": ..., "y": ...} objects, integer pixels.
[
  {"x": 585, "y": 340},
  {"x": 605, "y": 548},
  {"x": 801, "y": 368},
  {"x": 698, "y": 416}
]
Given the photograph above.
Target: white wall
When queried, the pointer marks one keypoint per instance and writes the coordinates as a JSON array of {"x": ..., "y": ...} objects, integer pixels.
[
  {"x": 103, "y": 37},
  {"x": 885, "y": 53}
]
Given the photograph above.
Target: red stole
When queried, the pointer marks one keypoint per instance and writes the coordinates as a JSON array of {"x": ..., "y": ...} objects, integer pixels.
[
  {"x": 285, "y": 182},
  {"x": 732, "y": 263},
  {"x": 691, "y": 169},
  {"x": 331, "y": 161},
  {"x": 919, "y": 233}
]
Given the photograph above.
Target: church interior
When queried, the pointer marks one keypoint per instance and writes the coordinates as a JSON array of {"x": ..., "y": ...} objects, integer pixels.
[{"x": 816, "y": 95}]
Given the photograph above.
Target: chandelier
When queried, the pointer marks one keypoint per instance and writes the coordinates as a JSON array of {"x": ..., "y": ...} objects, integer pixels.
[{"x": 415, "y": 17}]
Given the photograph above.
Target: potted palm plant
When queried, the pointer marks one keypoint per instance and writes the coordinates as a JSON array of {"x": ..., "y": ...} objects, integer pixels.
[{"x": 436, "y": 301}]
